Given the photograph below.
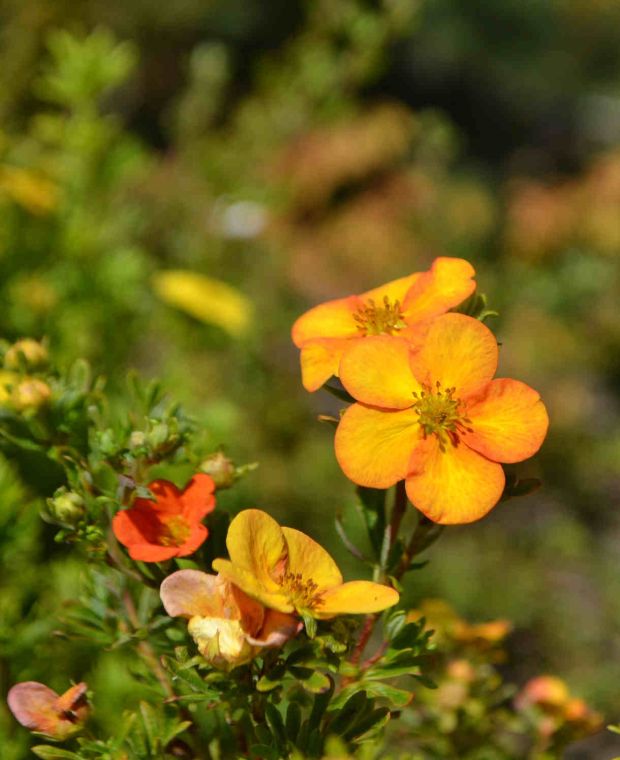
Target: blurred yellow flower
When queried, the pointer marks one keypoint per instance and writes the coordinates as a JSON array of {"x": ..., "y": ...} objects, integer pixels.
[
  {"x": 28, "y": 188},
  {"x": 206, "y": 299}
]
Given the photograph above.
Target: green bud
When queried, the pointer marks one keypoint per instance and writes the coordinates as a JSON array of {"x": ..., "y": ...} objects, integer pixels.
[
  {"x": 220, "y": 468},
  {"x": 67, "y": 507}
]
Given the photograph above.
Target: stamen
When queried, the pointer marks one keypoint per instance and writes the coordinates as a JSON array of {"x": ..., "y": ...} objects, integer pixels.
[
  {"x": 174, "y": 531},
  {"x": 373, "y": 319},
  {"x": 302, "y": 592},
  {"x": 441, "y": 414}
]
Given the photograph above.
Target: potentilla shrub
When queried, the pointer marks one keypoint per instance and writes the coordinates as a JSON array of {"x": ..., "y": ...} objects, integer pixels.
[{"x": 252, "y": 643}]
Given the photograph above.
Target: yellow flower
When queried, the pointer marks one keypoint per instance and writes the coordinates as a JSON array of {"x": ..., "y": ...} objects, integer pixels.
[
  {"x": 287, "y": 571},
  {"x": 206, "y": 299},
  {"x": 228, "y": 627}
]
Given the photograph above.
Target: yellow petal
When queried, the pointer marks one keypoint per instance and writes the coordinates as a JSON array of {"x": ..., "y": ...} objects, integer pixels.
[
  {"x": 255, "y": 543},
  {"x": 458, "y": 351},
  {"x": 320, "y": 359},
  {"x": 333, "y": 319},
  {"x": 206, "y": 299},
  {"x": 454, "y": 486},
  {"x": 510, "y": 421},
  {"x": 396, "y": 290},
  {"x": 250, "y": 585},
  {"x": 374, "y": 447},
  {"x": 310, "y": 560},
  {"x": 447, "y": 283},
  {"x": 356, "y": 598},
  {"x": 222, "y": 642},
  {"x": 376, "y": 371}
]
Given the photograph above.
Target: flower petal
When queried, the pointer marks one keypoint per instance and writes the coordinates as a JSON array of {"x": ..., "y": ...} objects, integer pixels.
[
  {"x": 152, "y": 552},
  {"x": 396, "y": 290},
  {"x": 197, "y": 497},
  {"x": 136, "y": 526},
  {"x": 196, "y": 538},
  {"x": 448, "y": 283},
  {"x": 454, "y": 486},
  {"x": 310, "y": 560},
  {"x": 256, "y": 544},
  {"x": 33, "y": 705},
  {"x": 320, "y": 359},
  {"x": 249, "y": 584},
  {"x": 356, "y": 598},
  {"x": 332, "y": 319},
  {"x": 459, "y": 352},
  {"x": 376, "y": 371},
  {"x": 190, "y": 593},
  {"x": 73, "y": 698},
  {"x": 278, "y": 628},
  {"x": 374, "y": 446},
  {"x": 510, "y": 421},
  {"x": 167, "y": 498}
]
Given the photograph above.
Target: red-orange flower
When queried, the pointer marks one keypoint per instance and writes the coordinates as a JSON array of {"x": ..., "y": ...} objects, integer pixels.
[
  {"x": 437, "y": 418},
  {"x": 170, "y": 524},
  {"x": 327, "y": 330},
  {"x": 40, "y": 709}
]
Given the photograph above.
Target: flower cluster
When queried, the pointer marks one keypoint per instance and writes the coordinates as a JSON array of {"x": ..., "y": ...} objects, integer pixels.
[{"x": 428, "y": 409}]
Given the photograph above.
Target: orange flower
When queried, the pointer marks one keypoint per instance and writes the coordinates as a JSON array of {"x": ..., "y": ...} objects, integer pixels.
[
  {"x": 40, "y": 709},
  {"x": 436, "y": 418},
  {"x": 169, "y": 525},
  {"x": 287, "y": 571},
  {"x": 228, "y": 627},
  {"x": 323, "y": 333}
]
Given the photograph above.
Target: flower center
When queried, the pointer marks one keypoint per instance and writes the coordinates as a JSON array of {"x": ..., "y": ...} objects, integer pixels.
[
  {"x": 440, "y": 414},
  {"x": 303, "y": 593},
  {"x": 174, "y": 531},
  {"x": 374, "y": 319}
]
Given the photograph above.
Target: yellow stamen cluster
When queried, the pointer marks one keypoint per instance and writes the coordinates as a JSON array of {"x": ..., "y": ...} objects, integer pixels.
[
  {"x": 440, "y": 414},
  {"x": 174, "y": 532},
  {"x": 302, "y": 592},
  {"x": 373, "y": 319}
]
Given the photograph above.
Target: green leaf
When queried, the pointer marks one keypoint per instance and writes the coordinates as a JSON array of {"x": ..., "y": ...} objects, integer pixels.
[
  {"x": 397, "y": 697},
  {"x": 351, "y": 707},
  {"x": 293, "y": 721},
  {"x": 372, "y": 506},
  {"x": 275, "y": 722},
  {"x": 370, "y": 726},
  {"x": 47, "y": 752},
  {"x": 264, "y": 752},
  {"x": 310, "y": 624},
  {"x": 317, "y": 683}
]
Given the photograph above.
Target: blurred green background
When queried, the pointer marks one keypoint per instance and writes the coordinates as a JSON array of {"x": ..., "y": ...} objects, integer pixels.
[{"x": 300, "y": 151}]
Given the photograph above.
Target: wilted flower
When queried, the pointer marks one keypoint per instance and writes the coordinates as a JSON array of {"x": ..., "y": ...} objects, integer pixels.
[
  {"x": 40, "y": 709},
  {"x": 437, "y": 418},
  {"x": 168, "y": 525},
  {"x": 30, "y": 395},
  {"x": 395, "y": 309},
  {"x": 287, "y": 571},
  {"x": 228, "y": 626},
  {"x": 220, "y": 468}
]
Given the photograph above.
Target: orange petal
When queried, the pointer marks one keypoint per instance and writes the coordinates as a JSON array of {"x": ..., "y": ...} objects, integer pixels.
[
  {"x": 510, "y": 421},
  {"x": 197, "y": 497},
  {"x": 454, "y": 486},
  {"x": 152, "y": 552},
  {"x": 320, "y": 359},
  {"x": 197, "y": 537},
  {"x": 333, "y": 319},
  {"x": 396, "y": 290},
  {"x": 257, "y": 545},
  {"x": 73, "y": 698},
  {"x": 448, "y": 283},
  {"x": 356, "y": 598},
  {"x": 310, "y": 560},
  {"x": 374, "y": 447},
  {"x": 376, "y": 371},
  {"x": 277, "y": 629},
  {"x": 167, "y": 498},
  {"x": 459, "y": 352},
  {"x": 247, "y": 581}
]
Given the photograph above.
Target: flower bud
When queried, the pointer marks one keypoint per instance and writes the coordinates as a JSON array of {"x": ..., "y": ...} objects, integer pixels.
[
  {"x": 26, "y": 353},
  {"x": 220, "y": 468},
  {"x": 67, "y": 507},
  {"x": 31, "y": 394}
]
